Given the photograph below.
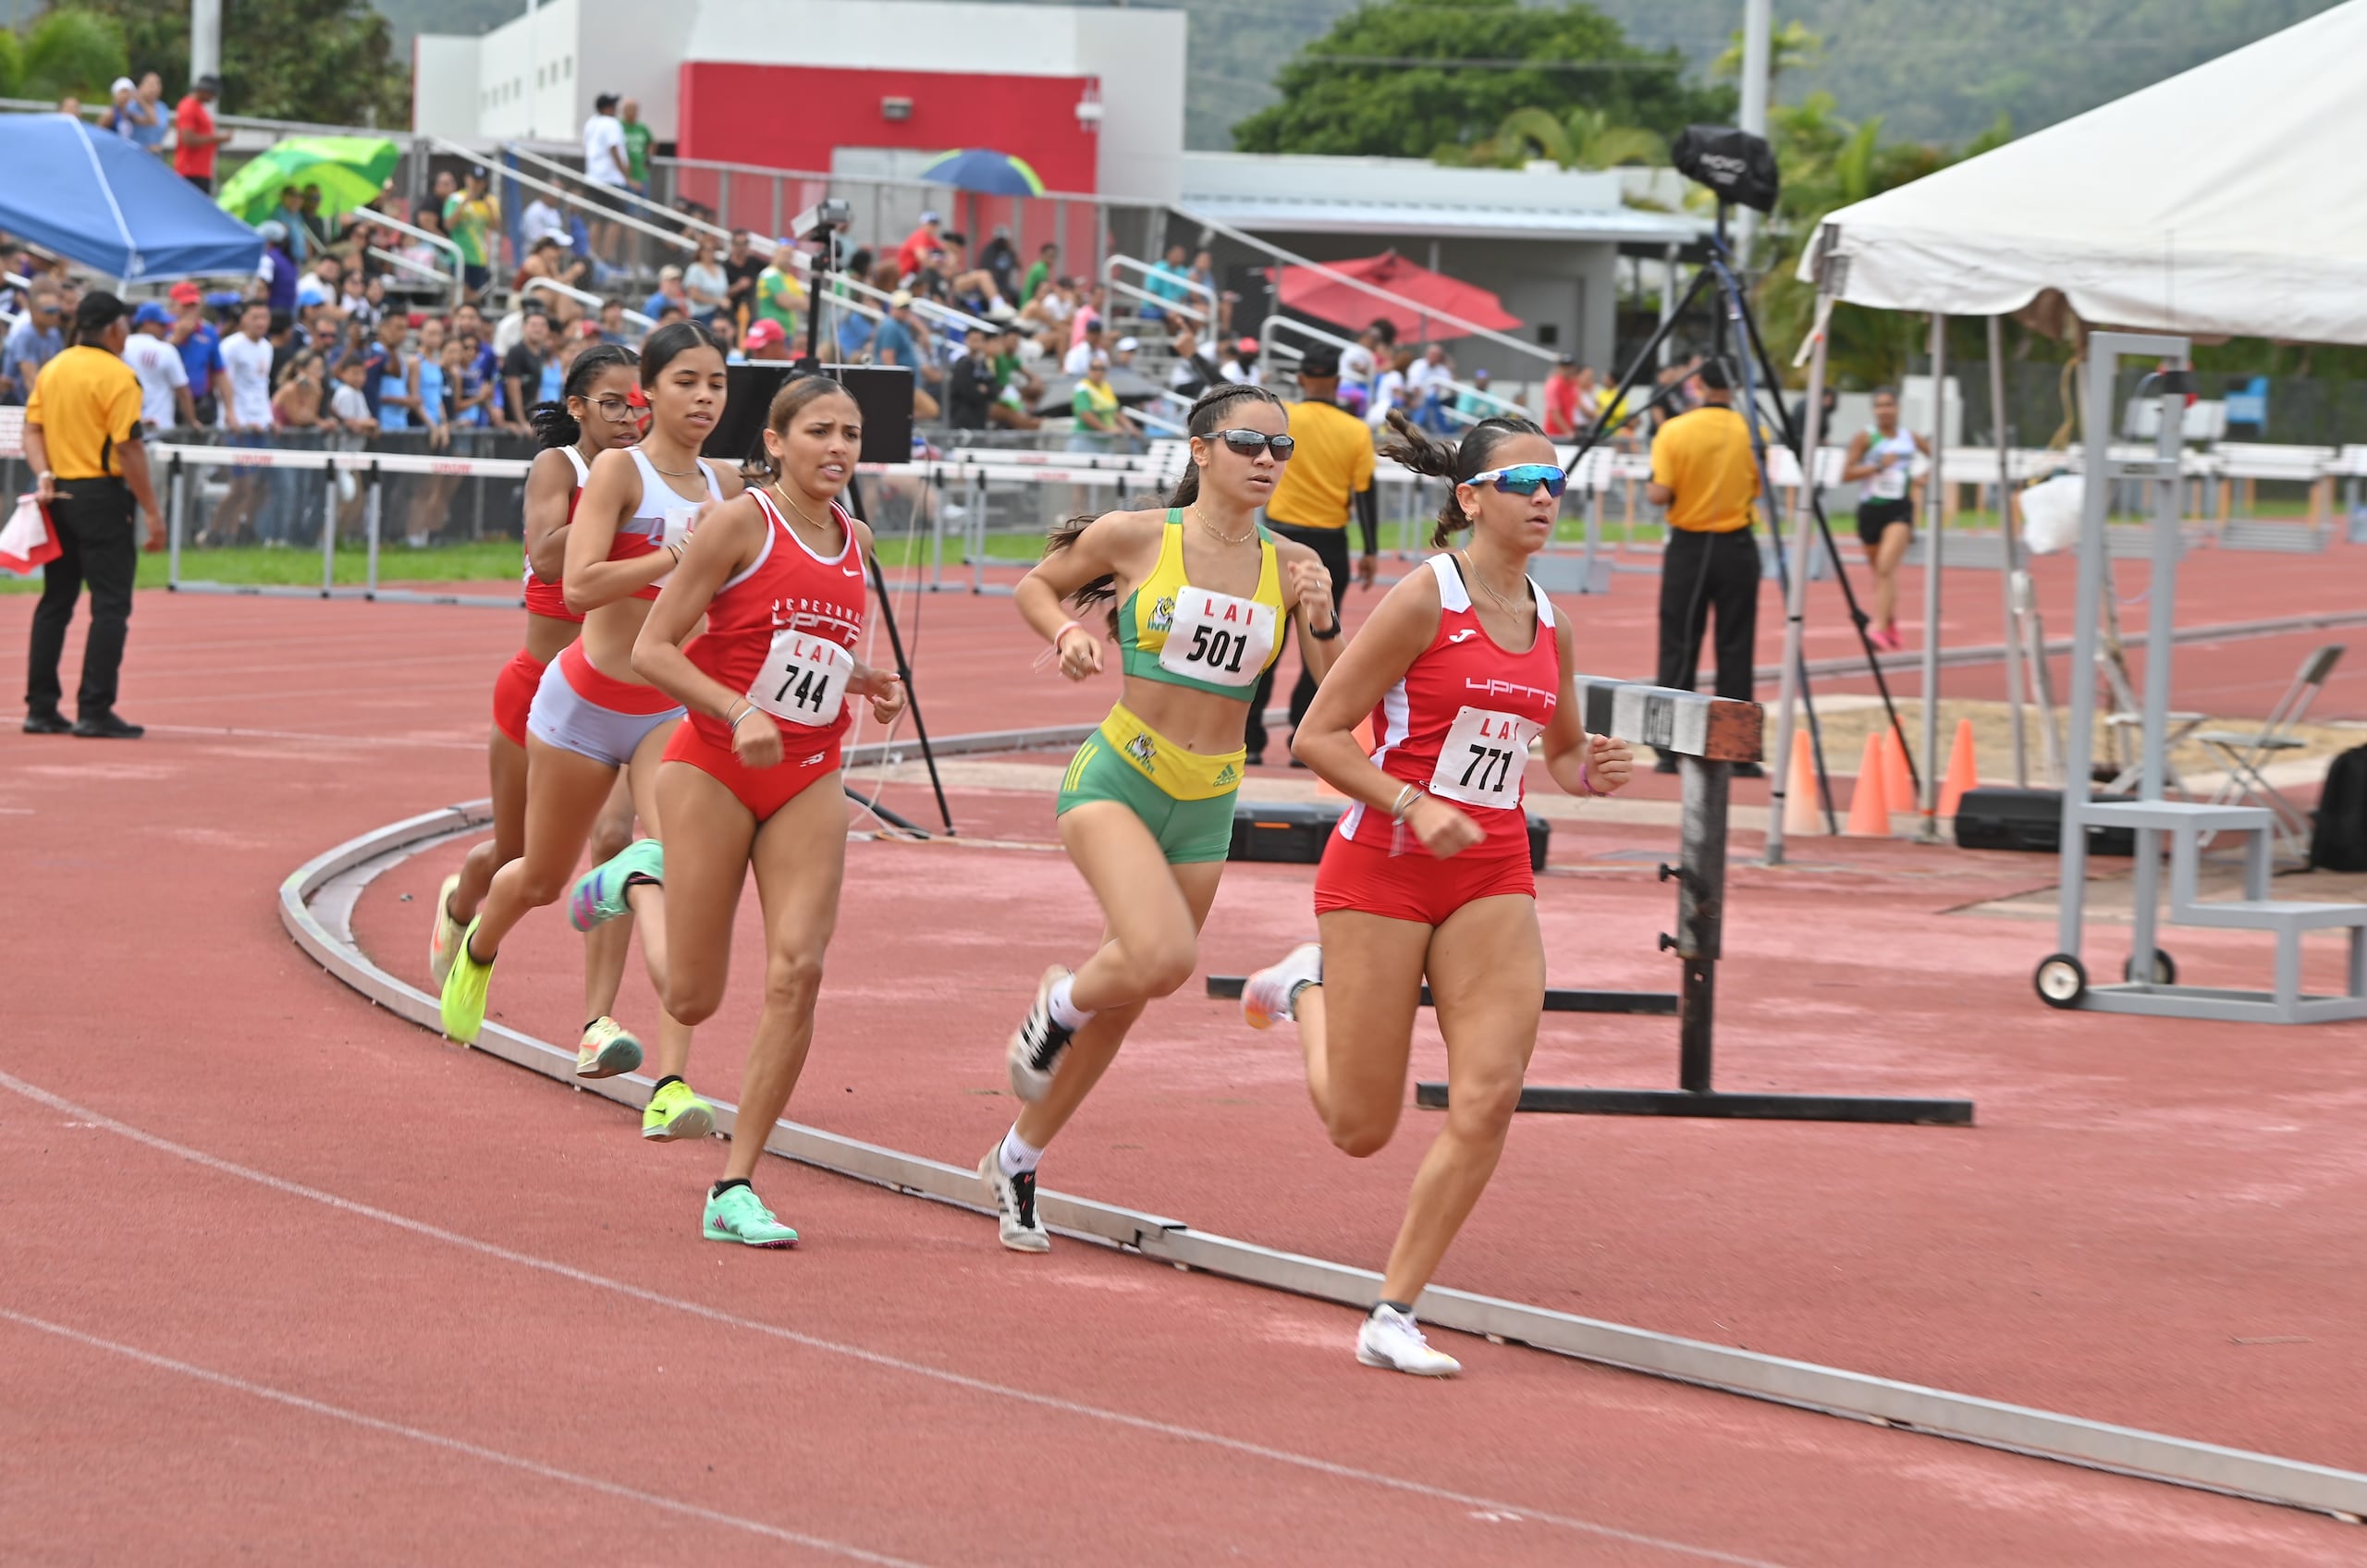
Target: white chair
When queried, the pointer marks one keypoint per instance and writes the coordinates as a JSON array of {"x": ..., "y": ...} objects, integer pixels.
[{"x": 2246, "y": 753}]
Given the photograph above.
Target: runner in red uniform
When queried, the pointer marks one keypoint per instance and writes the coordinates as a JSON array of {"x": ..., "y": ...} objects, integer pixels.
[
  {"x": 1461, "y": 666},
  {"x": 752, "y": 778},
  {"x": 601, "y": 408}
]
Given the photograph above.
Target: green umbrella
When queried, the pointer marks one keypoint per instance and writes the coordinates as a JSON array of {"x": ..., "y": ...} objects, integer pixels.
[{"x": 350, "y": 171}]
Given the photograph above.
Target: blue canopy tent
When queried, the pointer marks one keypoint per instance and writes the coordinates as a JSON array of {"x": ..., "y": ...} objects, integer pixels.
[{"x": 98, "y": 200}]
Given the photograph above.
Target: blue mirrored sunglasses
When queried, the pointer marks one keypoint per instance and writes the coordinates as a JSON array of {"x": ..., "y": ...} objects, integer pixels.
[{"x": 1524, "y": 479}]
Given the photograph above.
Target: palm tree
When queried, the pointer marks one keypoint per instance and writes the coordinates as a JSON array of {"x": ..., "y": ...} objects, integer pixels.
[
  {"x": 1790, "y": 47},
  {"x": 1585, "y": 138}
]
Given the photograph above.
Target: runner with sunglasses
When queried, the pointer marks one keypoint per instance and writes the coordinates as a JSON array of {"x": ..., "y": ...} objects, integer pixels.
[
  {"x": 601, "y": 407},
  {"x": 1201, "y": 594},
  {"x": 1462, "y": 663},
  {"x": 593, "y": 718}
]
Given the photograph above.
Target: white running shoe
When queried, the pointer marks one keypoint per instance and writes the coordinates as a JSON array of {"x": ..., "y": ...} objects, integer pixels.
[
  {"x": 1266, "y": 996},
  {"x": 1038, "y": 1044},
  {"x": 1015, "y": 1204},
  {"x": 445, "y": 939},
  {"x": 607, "y": 1048},
  {"x": 1391, "y": 1339}
]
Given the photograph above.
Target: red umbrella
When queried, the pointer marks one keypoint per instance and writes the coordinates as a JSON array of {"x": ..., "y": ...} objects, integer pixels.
[{"x": 1327, "y": 298}]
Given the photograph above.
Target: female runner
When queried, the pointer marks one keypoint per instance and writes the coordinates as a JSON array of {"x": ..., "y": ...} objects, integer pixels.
[
  {"x": 753, "y": 779},
  {"x": 602, "y": 409},
  {"x": 1882, "y": 459},
  {"x": 1462, "y": 664},
  {"x": 591, "y": 717},
  {"x": 1145, "y": 809}
]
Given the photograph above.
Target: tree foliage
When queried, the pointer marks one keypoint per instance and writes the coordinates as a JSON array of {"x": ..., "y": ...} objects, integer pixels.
[
  {"x": 65, "y": 51},
  {"x": 1583, "y": 138},
  {"x": 331, "y": 62},
  {"x": 1829, "y": 163},
  {"x": 1366, "y": 87}
]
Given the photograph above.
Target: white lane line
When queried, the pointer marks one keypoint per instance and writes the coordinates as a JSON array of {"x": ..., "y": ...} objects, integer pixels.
[
  {"x": 453, "y": 1445},
  {"x": 235, "y": 732},
  {"x": 856, "y": 1352}
]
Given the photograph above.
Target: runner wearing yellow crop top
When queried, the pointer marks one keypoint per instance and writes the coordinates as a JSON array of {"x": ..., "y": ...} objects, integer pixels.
[{"x": 1201, "y": 595}]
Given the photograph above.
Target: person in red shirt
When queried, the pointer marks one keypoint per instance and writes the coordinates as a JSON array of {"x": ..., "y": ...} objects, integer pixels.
[
  {"x": 1562, "y": 400},
  {"x": 914, "y": 253},
  {"x": 194, "y": 136}
]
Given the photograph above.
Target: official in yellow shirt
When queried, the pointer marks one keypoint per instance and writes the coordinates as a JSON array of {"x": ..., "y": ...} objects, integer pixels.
[
  {"x": 1329, "y": 471},
  {"x": 1705, "y": 473},
  {"x": 83, "y": 437}
]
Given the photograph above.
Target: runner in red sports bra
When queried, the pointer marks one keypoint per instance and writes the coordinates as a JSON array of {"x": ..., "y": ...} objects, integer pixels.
[
  {"x": 753, "y": 779},
  {"x": 601, "y": 410},
  {"x": 1462, "y": 666}
]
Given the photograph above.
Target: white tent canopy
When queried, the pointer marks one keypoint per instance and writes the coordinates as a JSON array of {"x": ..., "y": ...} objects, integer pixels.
[{"x": 2230, "y": 200}]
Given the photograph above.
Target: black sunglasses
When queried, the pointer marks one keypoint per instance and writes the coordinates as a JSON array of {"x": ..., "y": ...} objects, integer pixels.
[{"x": 1248, "y": 442}]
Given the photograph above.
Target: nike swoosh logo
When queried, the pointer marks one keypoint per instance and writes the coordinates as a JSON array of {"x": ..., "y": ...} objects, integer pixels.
[{"x": 852, "y": 571}]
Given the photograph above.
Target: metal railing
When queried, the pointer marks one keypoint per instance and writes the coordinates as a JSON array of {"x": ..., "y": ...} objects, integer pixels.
[
  {"x": 582, "y": 297},
  {"x": 630, "y": 198},
  {"x": 591, "y": 213},
  {"x": 1145, "y": 293},
  {"x": 439, "y": 241}
]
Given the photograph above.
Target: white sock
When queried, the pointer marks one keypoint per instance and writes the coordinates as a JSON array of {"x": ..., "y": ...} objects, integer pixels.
[
  {"x": 1017, "y": 1157},
  {"x": 1065, "y": 1012}
]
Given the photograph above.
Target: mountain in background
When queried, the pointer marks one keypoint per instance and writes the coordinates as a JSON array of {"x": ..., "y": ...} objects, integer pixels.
[{"x": 1935, "y": 70}]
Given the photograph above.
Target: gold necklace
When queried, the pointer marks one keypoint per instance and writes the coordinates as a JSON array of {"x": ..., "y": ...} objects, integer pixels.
[
  {"x": 1477, "y": 576},
  {"x": 775, "y": 486},
  {"x": 695, "y": 471},
  {"x": 1210, "y": 529}
]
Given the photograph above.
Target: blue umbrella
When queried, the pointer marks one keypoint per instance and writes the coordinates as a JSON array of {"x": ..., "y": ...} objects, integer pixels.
[
  {"x": 988, "y": 173},
  {"x": 102, "y": 200}
]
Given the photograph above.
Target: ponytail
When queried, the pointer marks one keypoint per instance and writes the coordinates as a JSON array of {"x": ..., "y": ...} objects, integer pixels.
[
  {"x": 1201, "y": 421},
  {"x": 1423, "y": 454}
]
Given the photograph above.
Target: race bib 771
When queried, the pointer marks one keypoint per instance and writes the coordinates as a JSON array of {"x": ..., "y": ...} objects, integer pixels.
[{"x": 1481, "y": 761}]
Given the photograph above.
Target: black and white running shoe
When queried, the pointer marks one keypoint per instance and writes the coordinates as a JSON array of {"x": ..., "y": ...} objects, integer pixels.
[
  {"x": 1038, "y": 1044},
  {"x": 1015, "y": 1204}
]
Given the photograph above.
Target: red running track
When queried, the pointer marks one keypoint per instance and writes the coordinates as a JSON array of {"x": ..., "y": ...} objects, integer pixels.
[{"x": 319, "y": 1287}]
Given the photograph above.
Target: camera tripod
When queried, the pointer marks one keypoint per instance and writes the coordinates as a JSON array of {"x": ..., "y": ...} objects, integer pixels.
[{"x": 1732, "y": 316}]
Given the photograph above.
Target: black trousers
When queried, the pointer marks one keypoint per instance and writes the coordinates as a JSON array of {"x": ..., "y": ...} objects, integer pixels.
[
  {"x": 1332, "y": 544},
  {"x": 98, "y": 544},
  {"x": 1702, "y": 571}
]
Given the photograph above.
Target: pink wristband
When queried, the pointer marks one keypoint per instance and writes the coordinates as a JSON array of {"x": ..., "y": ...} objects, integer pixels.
[
  {"x": 1586, "y": 777},
  {"x": 1066, "y": 627}
]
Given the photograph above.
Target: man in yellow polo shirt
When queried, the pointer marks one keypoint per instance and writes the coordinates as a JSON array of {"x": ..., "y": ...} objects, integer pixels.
[
  {"x": 1329, "y": 471},
  {"x": 1705, "y": 475},
  {"x": 83, "y": 437}
]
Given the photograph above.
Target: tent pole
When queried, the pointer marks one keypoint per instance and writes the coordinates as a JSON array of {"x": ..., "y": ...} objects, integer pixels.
[
  {"x": 1779, "y": 761},
  {"x": 2009, "y": 562},
  {"x": 1928, "y": 832}
]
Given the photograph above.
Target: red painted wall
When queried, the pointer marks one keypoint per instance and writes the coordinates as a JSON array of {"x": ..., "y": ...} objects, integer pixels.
[{"x": 790, "y": 117}]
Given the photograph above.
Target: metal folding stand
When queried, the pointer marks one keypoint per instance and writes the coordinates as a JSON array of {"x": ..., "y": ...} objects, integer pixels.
[{"x": 1709, "y": 736}]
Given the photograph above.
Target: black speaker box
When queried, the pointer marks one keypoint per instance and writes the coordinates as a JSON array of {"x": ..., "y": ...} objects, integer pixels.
[
  {"x": 2032, "y": 820},
  {"x": 884, "y": 393},
  {"x": 1295, "y": 834}
]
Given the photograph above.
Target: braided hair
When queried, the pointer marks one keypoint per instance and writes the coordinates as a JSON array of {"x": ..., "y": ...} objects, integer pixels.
[
  {"x": 1439, "y": 460},
  {"x": 1202, "y": 420}
]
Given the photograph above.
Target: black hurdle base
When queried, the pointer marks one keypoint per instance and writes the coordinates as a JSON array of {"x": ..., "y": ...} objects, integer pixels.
[
  {"x": 1732, "y": 1107},
  {"x": 1679, "y": 1102},
  {"x": 1660, "y": 1004}
]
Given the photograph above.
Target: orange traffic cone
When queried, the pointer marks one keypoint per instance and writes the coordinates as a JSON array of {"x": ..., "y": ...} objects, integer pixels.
[
  {"x": 1363, "y": 740},
  {"x": 1898, "y": 780},
  {"x": 1870, "y": 801},
  {"x": 1963, "y": 774},
  {"x": 1801, "y": 817}
]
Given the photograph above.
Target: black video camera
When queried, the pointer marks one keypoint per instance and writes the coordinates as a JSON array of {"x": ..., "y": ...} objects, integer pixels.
[{"x": 1739, "y": 167}]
